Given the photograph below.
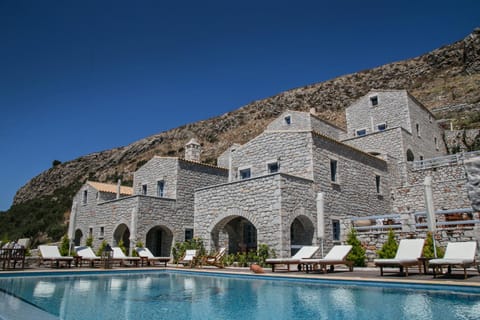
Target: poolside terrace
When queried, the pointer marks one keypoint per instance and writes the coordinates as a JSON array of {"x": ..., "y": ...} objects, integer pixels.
[{"x": 340, "y": 273}]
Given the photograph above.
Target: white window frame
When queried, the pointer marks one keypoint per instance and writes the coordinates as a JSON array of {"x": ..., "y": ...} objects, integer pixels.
[
  {"x": 249, "y": 168},
  {"x": 273, "y": 162},
  {"x": 371, "y": 99},
  {"x": 337, "y": 171},
  {"x": 85, "y": 196},
  {"x": 360, "y": 135},
  {"x": 378, "y": 184},
  {"x": 381, "y": 124},
  {"x": 162, "y": 195}
]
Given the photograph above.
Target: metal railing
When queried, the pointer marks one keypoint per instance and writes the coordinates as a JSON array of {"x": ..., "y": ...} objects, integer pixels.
[
  {"x": 447, "y": 223},
  {"x": 443, "y": 161},
  {"x": 377, "y": 222}
]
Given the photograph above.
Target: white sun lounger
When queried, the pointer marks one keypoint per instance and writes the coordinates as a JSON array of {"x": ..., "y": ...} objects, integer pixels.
[
  {"x": 52, "y": 255},
  {"x": 304, "y": 253},
  {"x": 146, "y": 255},
  {"x": 460, "y": 254},
  {"x": 408, "y": 252},
  {"x": 336, "y": 255},
  {"x": 119, "y": 256}
]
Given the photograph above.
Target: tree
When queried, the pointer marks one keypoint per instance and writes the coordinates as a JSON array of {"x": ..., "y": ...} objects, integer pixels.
[
  {"x": 56, "y": 163},
  {"x": 357, "y": 255},
  {"x": 389, "y": 248}
]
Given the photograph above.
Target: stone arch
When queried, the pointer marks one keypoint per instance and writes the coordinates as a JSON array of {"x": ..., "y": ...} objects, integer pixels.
[
  {"x": 122, "y": 233},
  {"x": 159, "y": 240},
  {"x": 234, "y": 230},
  {"x": 410, "y": 155},
  {"x": 302, "y": 232},
  {"x": 77, "y": 237}
]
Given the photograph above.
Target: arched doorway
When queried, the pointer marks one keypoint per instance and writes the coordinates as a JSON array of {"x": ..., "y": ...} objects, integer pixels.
[
  {"x": 122, "y": 233},
  {"x": 301, "y": 233},
  {"x": 77, "y": 237},
  {"x": 159, "y": 241},
  {"x": 410, "y": 156},
  {"x": 236, "y": 233}
]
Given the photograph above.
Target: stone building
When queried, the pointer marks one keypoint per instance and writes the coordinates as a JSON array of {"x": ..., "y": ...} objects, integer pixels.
[{"x": 300, "y": 182}]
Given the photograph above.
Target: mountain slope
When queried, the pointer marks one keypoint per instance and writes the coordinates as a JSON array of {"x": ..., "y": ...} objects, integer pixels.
[{"x": 446, "y": 76}]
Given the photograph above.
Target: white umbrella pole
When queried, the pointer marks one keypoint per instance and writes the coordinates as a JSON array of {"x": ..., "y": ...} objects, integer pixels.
[
  {"x": 431, "y": 220},
  {"x": 71, "y": 227},
  {"x": 320, "y": 220}
]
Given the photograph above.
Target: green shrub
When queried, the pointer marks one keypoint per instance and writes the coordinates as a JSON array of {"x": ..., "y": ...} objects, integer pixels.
[
  {"x": 357, "y": 255},
  {"x": 89, "y": 241},
  {"x": 64, "y": 246},
  {"x": 428, "y": 248},
  {"x": 389, "y": 248},
  {"x": 101, "y": 248},
  {"x": 179, "y": 248},
  {"x": 121, "y": 245}
]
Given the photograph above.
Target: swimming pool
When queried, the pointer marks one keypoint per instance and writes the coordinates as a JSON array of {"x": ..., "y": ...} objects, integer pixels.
[{"x": 188, "y": 295}]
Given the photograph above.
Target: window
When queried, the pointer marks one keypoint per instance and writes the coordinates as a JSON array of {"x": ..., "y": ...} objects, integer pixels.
[
  {"x": 102, "y": 232},
  {"x": 273, "y": 167},
  {"x": 417, "y": 126},
  {"x": 381, "y": 127},
  {"x": 377, "y": 184},
  {"x": 90, "y": 232},
  {"x": 188, "y": 234},
  {"x": 160, "y": 188},
  {"x": 333, "y": 170},
  {"x": 436, "y": 143},
  {"x": 245, "y": 173},
  {"x": 84, "y": 198},
  {"x": 288, "y": 120},
  {"x": 144, "y": 189},
  {"x": 336, "y": 230},
  {"x": 361, "y": 132},
  {"x": 374, "y": 100}
]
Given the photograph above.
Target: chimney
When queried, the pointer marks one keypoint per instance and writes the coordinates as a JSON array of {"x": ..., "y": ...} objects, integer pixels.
[
  {"x": 119, "y": 184},
  {"x": 192, "y": 150}
]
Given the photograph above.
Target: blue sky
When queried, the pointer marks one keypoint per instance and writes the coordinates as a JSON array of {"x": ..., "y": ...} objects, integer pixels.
[{"x": 78, "y": 77}]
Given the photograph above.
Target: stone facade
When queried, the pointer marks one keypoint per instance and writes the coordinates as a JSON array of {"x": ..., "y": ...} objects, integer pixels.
[{"x": 267, "y": 191}]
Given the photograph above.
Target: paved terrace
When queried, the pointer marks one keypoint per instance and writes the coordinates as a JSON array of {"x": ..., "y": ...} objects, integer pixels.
[{"x": 359, "y": 274}]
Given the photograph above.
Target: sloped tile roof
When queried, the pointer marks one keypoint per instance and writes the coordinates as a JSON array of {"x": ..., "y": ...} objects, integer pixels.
[{"x": 111, "y": 188}]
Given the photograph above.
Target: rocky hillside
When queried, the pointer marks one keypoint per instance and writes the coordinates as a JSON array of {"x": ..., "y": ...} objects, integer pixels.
[{"x": 447, "y": 76}]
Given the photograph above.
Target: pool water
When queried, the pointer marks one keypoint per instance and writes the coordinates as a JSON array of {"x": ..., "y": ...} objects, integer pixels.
[{"x": 184, "y": 295}]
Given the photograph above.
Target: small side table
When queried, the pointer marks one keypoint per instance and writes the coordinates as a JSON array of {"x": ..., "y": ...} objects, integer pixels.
[
  {"x": 143, "y": 261},
  {"x": 425, "y": 263}
]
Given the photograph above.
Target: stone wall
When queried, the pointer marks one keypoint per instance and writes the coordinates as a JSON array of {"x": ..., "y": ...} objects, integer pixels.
[
  {"x": 157, "y": 169},
  {"x": 190, "y": 177},
  {"x": 428, "y": 141},
  {"x": 448, "y": 186},
  {"x": 373, "y": 241},
  {"x": 392, "y": 109},
  {"x": 270, "y": 203},
  {"x": 472, "y": 167},
  {"x": 292, "y": 150},
  {"x": 354, "y": 193}
]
